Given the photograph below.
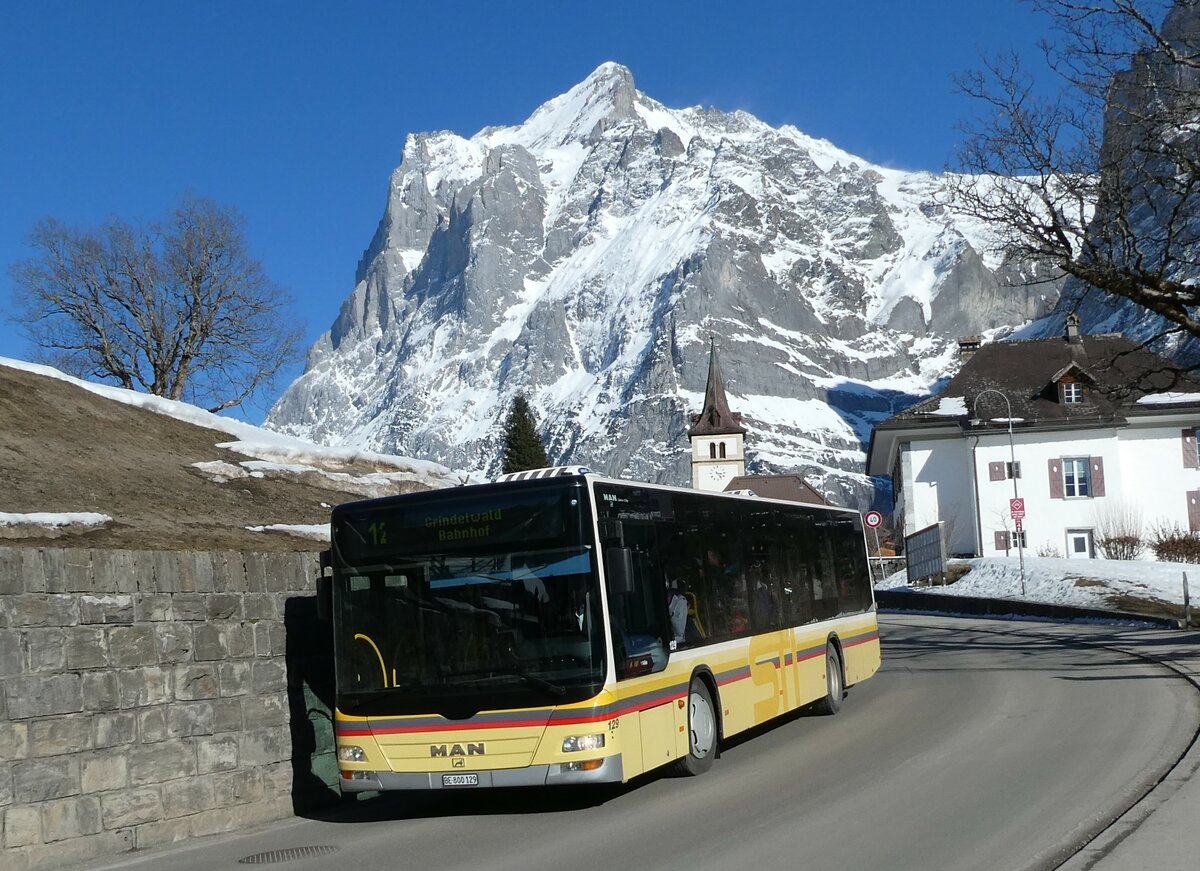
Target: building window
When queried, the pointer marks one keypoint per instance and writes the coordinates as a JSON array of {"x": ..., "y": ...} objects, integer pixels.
[
  {"x": 722, "y": 450},
  {"x": 1076, "y": 477},
  {"x": 712, "y": 450},
  {"x": 1006, "y": 540},
  {"x": 1072, "y": 392},
  {"x": 1000, "y": 471}
]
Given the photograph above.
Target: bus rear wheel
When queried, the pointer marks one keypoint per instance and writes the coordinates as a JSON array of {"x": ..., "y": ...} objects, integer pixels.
[
  {"x": 701, "y": 730},
  {"x": 835, "y": 684}
]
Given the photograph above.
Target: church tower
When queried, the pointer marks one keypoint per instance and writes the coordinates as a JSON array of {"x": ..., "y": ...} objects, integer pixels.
[{"x": 717, "y": 435}]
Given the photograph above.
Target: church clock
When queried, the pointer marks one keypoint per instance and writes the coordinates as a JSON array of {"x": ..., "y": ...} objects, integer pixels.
[{"x": 716, "y": 474}]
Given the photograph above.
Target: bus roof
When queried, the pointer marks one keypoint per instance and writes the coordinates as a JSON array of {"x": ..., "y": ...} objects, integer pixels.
[{"x": 561, "y": 474}]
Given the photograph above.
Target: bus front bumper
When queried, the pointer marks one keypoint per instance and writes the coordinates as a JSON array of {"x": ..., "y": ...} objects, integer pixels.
[{"x": 609, "y": 771}]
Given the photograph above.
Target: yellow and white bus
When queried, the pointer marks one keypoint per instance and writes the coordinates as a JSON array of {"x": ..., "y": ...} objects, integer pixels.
[{"x": 558, "y": 627}]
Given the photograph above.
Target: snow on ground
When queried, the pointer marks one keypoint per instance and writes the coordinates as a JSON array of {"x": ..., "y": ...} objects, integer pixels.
[
  {"x": 315, "y": 531},
  {"x": 262, "y": 445},
  {"x": 257, "y": 453},
  {"x": 54, "y": 519},
  {"x": 1080, "y": 583}
]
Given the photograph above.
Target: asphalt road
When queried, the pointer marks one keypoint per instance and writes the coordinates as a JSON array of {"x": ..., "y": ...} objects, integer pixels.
[{"x": 980, "y": 745}]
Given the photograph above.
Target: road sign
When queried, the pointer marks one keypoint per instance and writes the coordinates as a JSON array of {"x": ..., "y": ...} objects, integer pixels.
[
  {"x": 1017, "y": 524},
  {"x": 873, "y": 519},
  {"x": 1016, "y": 508}
]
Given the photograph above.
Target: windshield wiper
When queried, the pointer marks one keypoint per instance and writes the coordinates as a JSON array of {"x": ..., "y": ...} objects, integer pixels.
[{"x": 534, "y": 680}]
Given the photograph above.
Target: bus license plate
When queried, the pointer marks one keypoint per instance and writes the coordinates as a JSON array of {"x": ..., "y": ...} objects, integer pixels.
[{"x": 460, "y": 780}]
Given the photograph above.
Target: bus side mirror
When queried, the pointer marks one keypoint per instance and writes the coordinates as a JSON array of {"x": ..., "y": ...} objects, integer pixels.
[
  {"x": 611, "y": 530},
  {"x": 325, "y": 589},
  {"x": 618, "y": 565},
  {"x": 324, "y": 599}
]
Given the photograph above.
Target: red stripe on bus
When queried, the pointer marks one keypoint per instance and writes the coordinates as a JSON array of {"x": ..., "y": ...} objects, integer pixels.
[
  {"x": 721, "y": 682},
  {"x": 408, "y": 730},
  {"x": 874, "y": 636},
  {"x": 559, "y": 719}
]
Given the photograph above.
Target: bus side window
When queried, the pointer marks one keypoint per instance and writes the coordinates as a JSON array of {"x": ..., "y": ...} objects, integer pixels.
[
  {"x": 852, "y": 569},
  {"x": 797, "y": 575},
  {"x": 638, "y": 618},
  {"x": 767, "y": 570}
]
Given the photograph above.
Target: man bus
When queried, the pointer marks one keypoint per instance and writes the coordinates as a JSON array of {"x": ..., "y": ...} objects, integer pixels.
[{"x": 520, "y": 632}]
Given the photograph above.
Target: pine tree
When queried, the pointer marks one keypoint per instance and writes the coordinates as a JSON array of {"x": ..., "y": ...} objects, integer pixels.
[{"x": 523, "y": 448}]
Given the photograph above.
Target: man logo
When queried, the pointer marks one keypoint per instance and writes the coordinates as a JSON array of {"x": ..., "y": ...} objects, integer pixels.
[
  {"x": 456, "y": 749},
  {"x": 459, "y": 762}
]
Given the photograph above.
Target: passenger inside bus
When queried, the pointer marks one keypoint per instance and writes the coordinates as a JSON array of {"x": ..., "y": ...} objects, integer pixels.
[
  {"x": 683, "y": 609},
  {"x": 677, "y": 610}
]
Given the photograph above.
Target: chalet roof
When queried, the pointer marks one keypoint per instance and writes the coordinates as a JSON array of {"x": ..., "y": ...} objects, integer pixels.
[
  {"x": 1118, "y": 371},
  {"x": 790, "y": 487},
  {"x": 1123, "y": 381},
  {"x": 1075, "y": 371},
  {"x": 715, "y": 418}
]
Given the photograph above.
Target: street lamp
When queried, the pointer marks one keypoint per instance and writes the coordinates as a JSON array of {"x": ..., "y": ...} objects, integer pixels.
[{"x": 1012, "y": 459}]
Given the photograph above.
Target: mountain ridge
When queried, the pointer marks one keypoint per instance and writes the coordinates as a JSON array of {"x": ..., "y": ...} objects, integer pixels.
[{"x": 585, "y": 256}]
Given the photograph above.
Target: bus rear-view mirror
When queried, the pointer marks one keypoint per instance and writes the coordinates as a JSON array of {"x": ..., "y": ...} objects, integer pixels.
[{"x": 618, "y": 563}]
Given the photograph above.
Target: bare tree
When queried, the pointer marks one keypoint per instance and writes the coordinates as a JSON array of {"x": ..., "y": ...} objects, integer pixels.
[
  {"x": 1100, "y": 179},
  {"x": 1173, "y": 544},
  {"x": 1047, "y": 549},
  {"x": 177, "y": 308},
  {"x": 1119, "y": 530}
]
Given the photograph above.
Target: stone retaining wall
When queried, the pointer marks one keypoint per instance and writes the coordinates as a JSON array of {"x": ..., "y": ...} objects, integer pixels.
[{"x": 147, "y": 697}]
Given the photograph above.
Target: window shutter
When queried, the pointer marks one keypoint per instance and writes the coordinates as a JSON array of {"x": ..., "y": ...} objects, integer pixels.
[
  {"x": 995, "y": 471},
  {"x": 1001, "y": 540},
  {"x": 1193, "y": 503},
  {"x": 1097, "y": 464},
  {"x": 1188, "y": 438},
  {"x": 1056, "y": 479}
]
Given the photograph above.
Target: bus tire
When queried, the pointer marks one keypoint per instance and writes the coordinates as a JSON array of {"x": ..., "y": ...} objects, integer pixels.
[
  {"x": 701, "y": 731},
  {"x": 835, "y": 683}
]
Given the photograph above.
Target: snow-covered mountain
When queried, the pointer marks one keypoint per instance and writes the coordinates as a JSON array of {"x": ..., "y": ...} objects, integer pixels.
[{"x": 585, "y": 256}]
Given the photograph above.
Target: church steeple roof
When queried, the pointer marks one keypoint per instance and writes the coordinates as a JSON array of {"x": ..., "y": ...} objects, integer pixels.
[{"x": 715, "y": 418}]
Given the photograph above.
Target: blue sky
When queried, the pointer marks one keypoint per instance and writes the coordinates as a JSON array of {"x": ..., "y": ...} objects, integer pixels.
[{"x": 296, "y": 112}]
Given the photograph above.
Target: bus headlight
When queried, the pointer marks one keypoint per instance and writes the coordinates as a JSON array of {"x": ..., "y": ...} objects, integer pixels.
[
  {"x": 349, "y": 753},
  {"x": 582, "y": 742}
]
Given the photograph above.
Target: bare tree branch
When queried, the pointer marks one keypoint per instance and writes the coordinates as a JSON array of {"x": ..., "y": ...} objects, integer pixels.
[
  {"x": 1102, "y": 179},
  {"x": 178, "y": 309}
]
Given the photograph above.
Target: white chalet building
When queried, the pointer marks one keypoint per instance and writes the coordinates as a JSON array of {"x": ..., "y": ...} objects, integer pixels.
[{"x": 1099, "y": 429}]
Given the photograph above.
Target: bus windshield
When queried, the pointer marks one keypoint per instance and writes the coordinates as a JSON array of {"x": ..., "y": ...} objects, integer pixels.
[{"x": 453, "y": 602}]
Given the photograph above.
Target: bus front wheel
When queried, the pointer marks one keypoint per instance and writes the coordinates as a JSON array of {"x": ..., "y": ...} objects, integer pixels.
[
  {"x": 701, "y": 730},
  {"x": 835, "y": 684}
]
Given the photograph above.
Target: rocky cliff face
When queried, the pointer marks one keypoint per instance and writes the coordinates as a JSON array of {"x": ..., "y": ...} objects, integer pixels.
[{"x": 585, "y": 256}]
